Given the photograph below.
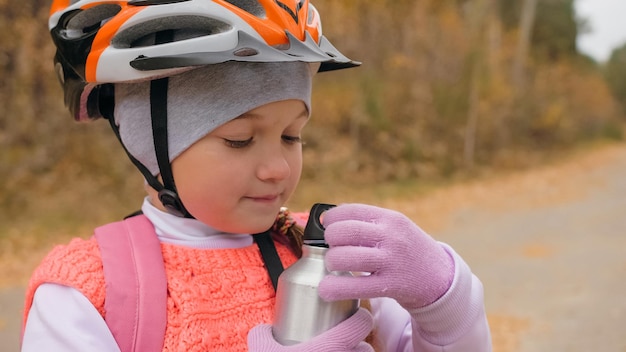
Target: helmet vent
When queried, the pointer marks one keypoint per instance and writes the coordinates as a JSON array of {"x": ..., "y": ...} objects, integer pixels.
[
  {"x": 311, "y": 14},
  {"x": 251, "y": 6},
  {"x": 182, "y": 27},
  {"x": 243, "y": 52},
  {"x": 90, "y": 19}
]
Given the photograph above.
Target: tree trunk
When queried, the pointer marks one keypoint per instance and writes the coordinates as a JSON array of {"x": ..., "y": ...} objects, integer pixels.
[
  {"x": 478, "y": 17},
  {"x": 527, "y": 21}
]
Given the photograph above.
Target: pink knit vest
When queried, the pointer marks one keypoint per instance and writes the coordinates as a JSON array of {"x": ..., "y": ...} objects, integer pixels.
[{"x": 214, "y": 297}]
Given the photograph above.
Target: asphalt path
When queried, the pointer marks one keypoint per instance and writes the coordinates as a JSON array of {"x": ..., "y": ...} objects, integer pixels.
[{"x": 550, "y": 248}]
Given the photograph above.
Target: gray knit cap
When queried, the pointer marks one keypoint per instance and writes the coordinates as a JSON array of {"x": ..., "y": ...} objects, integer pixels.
[{"x": 202, "y": 99}]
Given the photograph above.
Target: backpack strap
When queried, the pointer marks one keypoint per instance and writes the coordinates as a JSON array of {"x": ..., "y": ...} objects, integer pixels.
[
  {"x": 273, "y": 265},
  {"x": 136, "y": 287}
]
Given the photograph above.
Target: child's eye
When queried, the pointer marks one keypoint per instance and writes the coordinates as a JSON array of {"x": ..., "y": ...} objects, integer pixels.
[
  {"x": 238, "y": 143},
  {"x": 292, "y": 139}
]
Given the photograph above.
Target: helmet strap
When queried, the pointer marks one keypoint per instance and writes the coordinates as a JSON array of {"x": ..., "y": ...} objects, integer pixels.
[
  {"x": 158, "y": 111},
  {"x": 158, "y": 114},
  {"x": 167, "y": 194},
  {"x": 151, "y": 179}
]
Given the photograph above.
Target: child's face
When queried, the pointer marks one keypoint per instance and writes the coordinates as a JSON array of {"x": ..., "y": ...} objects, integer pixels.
[{"x": 237, "y": 177}]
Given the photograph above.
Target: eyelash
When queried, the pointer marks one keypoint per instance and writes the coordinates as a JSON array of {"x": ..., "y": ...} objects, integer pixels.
[
  {"x": 293, "y": 139},
  {"x": 237, "y": 144}
]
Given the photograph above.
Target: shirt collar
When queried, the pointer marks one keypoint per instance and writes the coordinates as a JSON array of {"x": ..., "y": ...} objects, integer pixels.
[{"x": 191, "y": 232}]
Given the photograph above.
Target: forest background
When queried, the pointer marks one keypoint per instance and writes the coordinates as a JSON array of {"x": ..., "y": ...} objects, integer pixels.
[{"x": 448, "y": 89}]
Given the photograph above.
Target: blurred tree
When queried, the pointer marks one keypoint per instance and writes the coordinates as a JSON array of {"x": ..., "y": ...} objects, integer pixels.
[
  {"x": 434, "y": 95},
  {"x": 479, "y": 17},
  {"x": 615, "y": 73},
  {"x": 48, "y": 163},
  {"x": 509, "y": 12},
  {"x": 556, "y": 29},
  {"x": 527, "y": 23}
]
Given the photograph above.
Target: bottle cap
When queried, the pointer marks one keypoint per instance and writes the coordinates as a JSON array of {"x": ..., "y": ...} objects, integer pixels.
[{"x": 314, "y": 230}]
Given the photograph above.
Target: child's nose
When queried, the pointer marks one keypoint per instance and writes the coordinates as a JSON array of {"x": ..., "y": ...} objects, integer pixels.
[{"x": 274, "y": 166}]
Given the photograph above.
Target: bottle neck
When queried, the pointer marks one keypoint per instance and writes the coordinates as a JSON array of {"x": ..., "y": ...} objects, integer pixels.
[
  {"x": 316, "y": 243},
  {"x": 313, "y": 251}
]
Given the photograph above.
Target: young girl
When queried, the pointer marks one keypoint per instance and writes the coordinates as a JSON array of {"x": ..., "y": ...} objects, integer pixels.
[{"x": 209, "y": 99}]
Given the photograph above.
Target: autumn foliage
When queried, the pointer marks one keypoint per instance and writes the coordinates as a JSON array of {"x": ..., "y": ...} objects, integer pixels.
[{"x": 436, "y": 96}]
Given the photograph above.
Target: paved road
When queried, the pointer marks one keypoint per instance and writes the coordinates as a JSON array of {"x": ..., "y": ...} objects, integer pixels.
[
  {"x": 554, "y": 270},
  {"x": 549, "y": 246},
  {"x": 11, "y": 303}
]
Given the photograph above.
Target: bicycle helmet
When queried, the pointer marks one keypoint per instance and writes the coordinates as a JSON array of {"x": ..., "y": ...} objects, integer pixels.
[
  {"x": 102, "y": 43},
  {"x": 110, "y": 41}
]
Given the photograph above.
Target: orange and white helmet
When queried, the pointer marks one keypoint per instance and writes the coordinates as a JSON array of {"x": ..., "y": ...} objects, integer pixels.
[{"x": 112, "y": 41}]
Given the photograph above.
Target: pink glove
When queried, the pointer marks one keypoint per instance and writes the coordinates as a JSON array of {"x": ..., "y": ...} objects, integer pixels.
[
  {"x": 405, "y": 263},
  {"x": 345, "y": 336}
]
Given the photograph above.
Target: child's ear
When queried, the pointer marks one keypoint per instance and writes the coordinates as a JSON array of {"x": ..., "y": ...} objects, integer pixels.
[{"x": 101, "y": 101}]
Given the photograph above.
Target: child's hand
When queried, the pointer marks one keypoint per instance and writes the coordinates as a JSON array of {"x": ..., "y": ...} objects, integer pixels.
[
  {"x": 405, "y": 263},
  {"x": 346, "y": 336}
]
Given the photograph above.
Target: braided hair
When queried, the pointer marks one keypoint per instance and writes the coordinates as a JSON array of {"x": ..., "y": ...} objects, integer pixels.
[{"x": 286, "y": 230}]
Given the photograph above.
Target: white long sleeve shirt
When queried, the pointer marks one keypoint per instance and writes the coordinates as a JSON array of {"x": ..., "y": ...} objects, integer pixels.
[{"x": 63, "y": 319}]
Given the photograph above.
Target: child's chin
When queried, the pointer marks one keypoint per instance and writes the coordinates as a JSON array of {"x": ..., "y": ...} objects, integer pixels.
[
  {"x": 254, "y": 226},
  {"x": 262, "y": 226}
]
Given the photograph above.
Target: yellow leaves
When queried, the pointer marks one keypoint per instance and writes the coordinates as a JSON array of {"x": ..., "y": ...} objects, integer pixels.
[
  {"x": 578, "y": 101},
  {"x": 551, "y": 116},
  {"x": 399, "y": 61},
  {"x": 401, "y": 115}
]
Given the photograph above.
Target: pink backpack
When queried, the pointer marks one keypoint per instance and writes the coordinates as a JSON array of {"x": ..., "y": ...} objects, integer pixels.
[{"x": 136, "y": 286}]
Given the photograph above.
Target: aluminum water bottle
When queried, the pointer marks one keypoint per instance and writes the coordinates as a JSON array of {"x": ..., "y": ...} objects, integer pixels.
[{"x": 300, "y": 312}]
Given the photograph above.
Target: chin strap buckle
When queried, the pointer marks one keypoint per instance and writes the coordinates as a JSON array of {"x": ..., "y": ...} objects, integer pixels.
[{"x": 172, "y": 202}]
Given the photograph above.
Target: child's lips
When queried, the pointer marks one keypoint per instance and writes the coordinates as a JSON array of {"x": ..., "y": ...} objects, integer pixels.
[{"x": 268, "y": 198}]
